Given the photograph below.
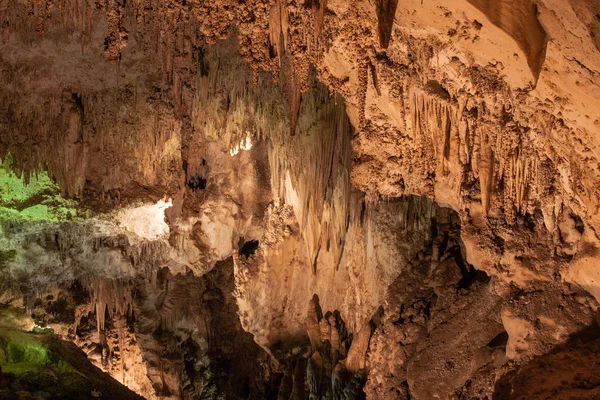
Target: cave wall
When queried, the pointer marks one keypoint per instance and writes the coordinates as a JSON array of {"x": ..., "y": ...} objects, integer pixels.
[{"x": 337, "y": 134}]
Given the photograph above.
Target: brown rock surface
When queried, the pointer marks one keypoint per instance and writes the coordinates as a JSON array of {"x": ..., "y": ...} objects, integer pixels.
[{"x": 431, "y": 167}]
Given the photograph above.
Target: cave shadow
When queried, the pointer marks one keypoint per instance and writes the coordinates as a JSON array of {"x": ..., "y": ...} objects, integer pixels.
[
  {"x": 61, "y": 370},
  {"x": 568, "y": 367}
]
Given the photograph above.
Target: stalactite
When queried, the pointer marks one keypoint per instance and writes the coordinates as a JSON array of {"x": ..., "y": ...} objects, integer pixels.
[
  {"x": 278, "y": 29},
  {"x": 112, "y": 297},
  {"x": 386, "y": 10},
  {"x": 363, "y": 82},
  {"x": 319, "y": 20},
  {"x": 120, "y": 323},
  {"x": 447, "y": 134},
  {"x": 433, "y": 122},
  {"x": 292, "y": 90},
  {"x": 486, "y": 174},
  {"x": 520, "y": 20},
  {"x": 117, "y": 36},
  {"x": 320, "y": 192}
]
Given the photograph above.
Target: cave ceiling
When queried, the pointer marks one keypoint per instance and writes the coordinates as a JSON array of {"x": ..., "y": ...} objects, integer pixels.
[{"x": 270, "y": 199}]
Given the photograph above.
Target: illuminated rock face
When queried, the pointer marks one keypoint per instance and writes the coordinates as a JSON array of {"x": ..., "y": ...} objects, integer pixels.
[
  {"x": 427, "y": 170},
  {"x": 146, "y": 221}
]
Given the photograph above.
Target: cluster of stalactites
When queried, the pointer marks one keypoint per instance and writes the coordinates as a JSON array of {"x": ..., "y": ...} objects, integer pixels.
[
  {"x": 471, "y": 137},
  {"x": 310, "y": 172},
  {"x": 112, "y": 297}
]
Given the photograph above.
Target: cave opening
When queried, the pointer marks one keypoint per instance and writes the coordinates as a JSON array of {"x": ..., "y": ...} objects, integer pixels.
[
  {"x": 249, "y": 248},
  {"x": 499, "y": 340},
  {"x": 196, "y": 182}
]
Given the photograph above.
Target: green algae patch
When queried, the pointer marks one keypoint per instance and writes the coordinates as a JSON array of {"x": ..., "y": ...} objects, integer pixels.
[
  {"x": 36, "y": 200},
  {"x": 22, "y": 358},
  {"x": 30, "y": 365},
  {"x": 42, "y": 366},
  {"x": 22, "y": 354}
]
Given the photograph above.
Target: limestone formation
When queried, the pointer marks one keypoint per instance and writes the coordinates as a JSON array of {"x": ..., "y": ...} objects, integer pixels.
[{"x": 185, "y": 187}]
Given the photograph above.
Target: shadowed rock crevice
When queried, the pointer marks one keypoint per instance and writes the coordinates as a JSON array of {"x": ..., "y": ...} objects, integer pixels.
[
  {"x": 519, "y": 19},
  {"x": 386, "y": 10},
  {"x": 565, "y": 372},
  {"x": 40, "y": 365},
  {"x": 249, "y": 248}
]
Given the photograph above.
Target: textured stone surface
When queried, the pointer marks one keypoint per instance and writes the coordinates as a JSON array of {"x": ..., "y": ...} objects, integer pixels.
[{"x": 428, "y": 169}]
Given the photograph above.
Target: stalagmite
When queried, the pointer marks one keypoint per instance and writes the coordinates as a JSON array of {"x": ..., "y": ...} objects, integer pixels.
[
  {"x": 298, "y": 391},
  {"x": 312, "y": 326},
  {"x": 356, "y": 360},
  {"x": 314, "y": 371}
]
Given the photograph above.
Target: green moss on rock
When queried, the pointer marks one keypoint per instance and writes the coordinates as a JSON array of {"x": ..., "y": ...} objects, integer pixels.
[{"x": 38, "y": 200}]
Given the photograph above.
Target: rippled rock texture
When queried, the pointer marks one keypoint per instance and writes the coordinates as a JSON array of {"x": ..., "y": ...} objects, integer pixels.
[{"x": 307, "y": 199}]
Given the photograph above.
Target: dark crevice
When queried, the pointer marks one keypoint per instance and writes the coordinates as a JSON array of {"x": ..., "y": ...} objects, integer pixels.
[
  {"x": 572, "y": 361},
  {"x": 469, "y": 274},
  {"x": 405, "y": 390},
  {"x": 519, "y": 19},
  {"x": 434, "y": 87},
  {"x": 386, "y": 10},
  {"x": 499, "y": 341},
  {"x": 249, "y": 248},
  {"x": 579, "y": 225},
  {"x": 202, "y": 64},
  {"x": 196, "y": 182}
]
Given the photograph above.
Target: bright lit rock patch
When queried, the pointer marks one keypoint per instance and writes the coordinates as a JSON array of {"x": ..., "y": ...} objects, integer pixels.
[
  {"x": 245, "y": 144},
  {"x": 147, "y": 221}
]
